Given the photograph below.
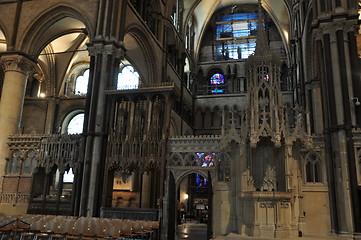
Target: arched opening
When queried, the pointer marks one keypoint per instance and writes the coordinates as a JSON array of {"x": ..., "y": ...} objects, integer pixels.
[
  {"x": 190, "y": 206},
  {"x": 2, "y": 49},
  {"x": 62, "y": 55},
  {"x": 216, "y": 81},
  {"x": 2, "y": 41},
  {"x": 141, "y": 56},
  {"x": 73, "y": 122},
  {"x": 194, "y": 206},
  {"x": 128, "y": 77}
]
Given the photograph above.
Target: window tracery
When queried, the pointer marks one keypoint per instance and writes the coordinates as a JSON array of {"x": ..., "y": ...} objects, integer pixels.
[
  {"x": 236, "y": 35},
  {"x": 128, "y": 78},
  {"x": 313, "y": 168}
]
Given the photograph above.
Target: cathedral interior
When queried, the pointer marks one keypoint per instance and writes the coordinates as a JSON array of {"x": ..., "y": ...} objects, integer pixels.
[{"x": 229, "y": 112}]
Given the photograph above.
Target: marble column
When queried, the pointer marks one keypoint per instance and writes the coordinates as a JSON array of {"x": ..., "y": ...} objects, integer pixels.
[{"x": 16, "y": 68}]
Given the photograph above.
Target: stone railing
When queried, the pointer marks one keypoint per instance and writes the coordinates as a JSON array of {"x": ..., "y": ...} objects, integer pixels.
[
  {"x": 143, "y": 86},
  {"x": 198, "y": 143},
  {"x": 48, "y": 150}
]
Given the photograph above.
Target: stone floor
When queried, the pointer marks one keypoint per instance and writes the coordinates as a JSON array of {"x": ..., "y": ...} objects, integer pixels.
[{"x": 192, "y": 231}]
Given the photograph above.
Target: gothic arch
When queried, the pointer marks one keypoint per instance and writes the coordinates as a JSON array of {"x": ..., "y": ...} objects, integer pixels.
[
  {"x": 145, "y": 60},
  {"x": 173, "y": 131},
  {"x": 215, "y": 69},
  {"x": 314, "y": 161},
  {"x": 180, "y": 174},
  {"x": 69, "y": 81},
  {"x": 48, "y": 27},
  {"x": 307, "y": 44},
  {"x": 68, "y": 115},
  {"x": 3, "y": 37}
]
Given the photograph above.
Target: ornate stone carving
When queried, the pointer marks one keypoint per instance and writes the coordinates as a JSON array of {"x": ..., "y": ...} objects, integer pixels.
[
  {"x": 201, "y": 143},
  {"x": 266, "y": 205},
  {"x": 59, "y": 150},
  {"x": 110, "y": 49},
  {"x": 16, "y": 63},
  {"x": 141, "y": 146},
  {"x": 48, "y": 150}
]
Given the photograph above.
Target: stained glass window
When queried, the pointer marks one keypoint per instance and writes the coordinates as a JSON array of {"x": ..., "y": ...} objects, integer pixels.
[
  {"x": 266, "y": 78},
  {"x": 201, "y": 181},
  {"x": 217, "y": 83},
  {"x": 236, "y": 35},
  {"x": 217, "y": 79},
  {"x": 206, "y": 160}
]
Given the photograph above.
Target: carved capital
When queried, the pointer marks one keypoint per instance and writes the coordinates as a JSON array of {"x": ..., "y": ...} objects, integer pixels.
[
  {"x": 106, "y": 49},
  {"x": 16, "y": 63},
  {"x": 317, "y": 34},
  {"x": 352, "y": 26}
]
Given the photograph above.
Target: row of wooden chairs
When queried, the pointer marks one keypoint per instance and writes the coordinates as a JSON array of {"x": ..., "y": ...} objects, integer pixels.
[{"x": 69, "y": 227}]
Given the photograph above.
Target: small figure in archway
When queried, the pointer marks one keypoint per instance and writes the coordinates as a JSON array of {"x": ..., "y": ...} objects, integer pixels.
[{"x": 183, "y": 213}]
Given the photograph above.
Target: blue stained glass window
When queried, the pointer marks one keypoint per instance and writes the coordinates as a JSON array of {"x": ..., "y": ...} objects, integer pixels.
[
  {"x": 238, "y": 17},
  {"x": 206, "y": 160},
  {"x": 201, "y": 183},
  {"x": 217, "y": 83},
  {"x": 236, "y": 30},
  {"x": 241, "y": 50},
  {"x": 241, "y": 30},
  {"x": 217, "y": 79}
]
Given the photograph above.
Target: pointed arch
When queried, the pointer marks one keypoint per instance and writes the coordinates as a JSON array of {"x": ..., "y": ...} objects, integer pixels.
[
  {"x": 55, "y": 22},
  {"x": 141, "y": 54},
  {"x": 3, "y": 38}
]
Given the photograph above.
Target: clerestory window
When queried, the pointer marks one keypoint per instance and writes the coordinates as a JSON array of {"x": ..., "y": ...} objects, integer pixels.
[
  {"x": 236, "y": 35},
  {"x": 76, "y": 123},
  {"x": 81, "y": 83},
  {"x": 128, "y": 78}
]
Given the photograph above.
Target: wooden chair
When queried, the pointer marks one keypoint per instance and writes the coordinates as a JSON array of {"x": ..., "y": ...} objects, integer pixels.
[
  {"x": 59, "y": 227},
  {"x": 126, "y": 229},
  {"x": 77, "y": 230},
  {"x": 7, "y": 226}
]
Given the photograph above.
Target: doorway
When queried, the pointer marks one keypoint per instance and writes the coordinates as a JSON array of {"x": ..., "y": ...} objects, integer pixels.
[{"x": 190, "y": 208}]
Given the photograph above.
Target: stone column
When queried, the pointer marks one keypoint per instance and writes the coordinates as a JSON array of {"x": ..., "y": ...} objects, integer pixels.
[
  {"x": 16, "y": 68},
  {"x": 96, "y": 123},
  {"x": 337, "y": 84},
  {"x": 146, "y": 191},
  {"x": 317, "y": 108}
]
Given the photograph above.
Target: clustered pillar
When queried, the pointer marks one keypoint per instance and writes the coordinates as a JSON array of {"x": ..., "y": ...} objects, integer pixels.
[{"x": 16, "y": 68}]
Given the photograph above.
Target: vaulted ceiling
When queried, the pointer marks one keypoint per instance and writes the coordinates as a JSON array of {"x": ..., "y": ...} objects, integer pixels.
[{"x": 201, "y": 11}]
